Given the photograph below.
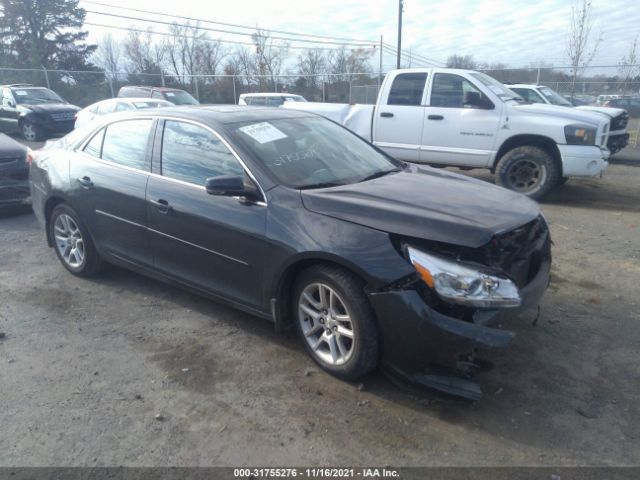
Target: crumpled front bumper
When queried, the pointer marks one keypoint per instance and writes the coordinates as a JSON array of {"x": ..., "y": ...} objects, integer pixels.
[{"x": 424, "y": 347}]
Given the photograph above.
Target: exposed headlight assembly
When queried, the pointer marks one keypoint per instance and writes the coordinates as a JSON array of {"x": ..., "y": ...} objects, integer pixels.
[
  {"x": 580, "y": 135},
  {"x": 462, "y": 284}
]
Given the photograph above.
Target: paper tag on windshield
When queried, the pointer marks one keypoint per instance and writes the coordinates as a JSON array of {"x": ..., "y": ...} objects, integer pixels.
[
  {"x": 170, "y": 94},
  {"x": 263, "y": 132},
  {"x": 22, "y": 93}
]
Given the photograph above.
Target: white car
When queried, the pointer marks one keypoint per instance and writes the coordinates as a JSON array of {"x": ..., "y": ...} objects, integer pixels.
[
  {"x": 112, "y": 105},
  {"x": 268, "y": 99},
  {"x": 619, "y": 118},
  {"x": 462, "y": 118}
]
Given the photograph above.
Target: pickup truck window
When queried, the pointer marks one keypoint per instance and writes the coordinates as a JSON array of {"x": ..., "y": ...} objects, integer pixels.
[
  {"x": 407, "y": 89},
  {"x": 451, "y": 91}
]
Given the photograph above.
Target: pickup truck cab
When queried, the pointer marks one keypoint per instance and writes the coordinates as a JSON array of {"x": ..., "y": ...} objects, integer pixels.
[
  {"x": 618, "y": 117},
  {"x": 466, "y": 119}
]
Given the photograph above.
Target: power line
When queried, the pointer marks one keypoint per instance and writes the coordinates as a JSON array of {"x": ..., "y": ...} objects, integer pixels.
[
  {"x": 169, "y": 34},
  {"x": 284, "y": 32},
  {"x": 127, "y": 17}
]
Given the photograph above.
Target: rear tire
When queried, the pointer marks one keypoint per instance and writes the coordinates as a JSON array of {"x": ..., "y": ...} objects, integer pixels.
[
  {"x": 335, "y": 321},
  {"x": 72, "y": 242},
  {"x": 529, "y": 170}
]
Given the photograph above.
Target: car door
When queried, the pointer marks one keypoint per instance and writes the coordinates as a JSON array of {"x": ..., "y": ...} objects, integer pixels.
[
  {"x": 399, "y": 122},
  {"x": 9, "y": 113},
  {"x": 457, "y": 131},
  {"x": 210, "y": 242},
  {"x": 109, "y": 176}
]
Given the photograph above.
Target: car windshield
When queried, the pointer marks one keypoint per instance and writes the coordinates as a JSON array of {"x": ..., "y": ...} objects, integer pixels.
[
  {"x": 554, "y": 97},
  {"x": 294, "y": 99},
  {"x": 497, "y": 88},
  {"x": 312, "y": 152},
  {"x": 33, "y": 96},
  {"x": 180, "y": 97}
]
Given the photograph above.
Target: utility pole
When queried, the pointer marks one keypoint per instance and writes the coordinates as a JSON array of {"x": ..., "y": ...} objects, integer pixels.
[{"x": 400, "y": 6}]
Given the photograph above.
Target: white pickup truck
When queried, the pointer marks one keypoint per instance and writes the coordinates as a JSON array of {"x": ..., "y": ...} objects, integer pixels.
[{"x": 466, "y": 119}]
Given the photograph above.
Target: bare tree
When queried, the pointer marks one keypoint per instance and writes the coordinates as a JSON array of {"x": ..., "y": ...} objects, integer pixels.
[
  {"x": 347, "y": 65},
  {"x": 311, "y": 65},
  {"x": 628, "y": 67},
  {"x": 461, "y": 61},
  {"x": 108, "y": 57},
  {"x": 582, "y": 46},
  {"x": 269, "y": 57},
  {"x": 145, "y": 56}
]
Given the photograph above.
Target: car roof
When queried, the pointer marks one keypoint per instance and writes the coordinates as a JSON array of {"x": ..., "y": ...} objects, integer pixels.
[
  {"x": 274, "y": 94},
  {"x": 219, "y": 114},
  {"x": 147, "y": 87}
]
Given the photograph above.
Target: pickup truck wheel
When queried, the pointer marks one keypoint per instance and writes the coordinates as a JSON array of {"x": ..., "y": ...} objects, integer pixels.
[
  {"x": 335, "y": 321},
  {"x": 527, "y": 170}
]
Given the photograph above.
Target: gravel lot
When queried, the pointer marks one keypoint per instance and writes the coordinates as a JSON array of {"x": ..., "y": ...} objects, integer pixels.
[{"x": 124, "y": 370}]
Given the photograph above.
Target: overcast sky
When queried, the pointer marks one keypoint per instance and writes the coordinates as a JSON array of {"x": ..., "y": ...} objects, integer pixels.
[{"x": 516, "y": 32}]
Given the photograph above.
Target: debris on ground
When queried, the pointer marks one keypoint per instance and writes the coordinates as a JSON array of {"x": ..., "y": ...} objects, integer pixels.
[
  {"x": 361, "y": 387},
  {"x": 185, "y": 370},
  {"x": 309, "y": 371},
  {"x": 159, "y": 417},
  {"x": 2, "y": 336}
]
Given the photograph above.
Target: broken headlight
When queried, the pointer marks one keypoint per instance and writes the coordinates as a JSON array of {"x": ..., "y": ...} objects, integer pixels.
[{"x": 463, "y": 284}]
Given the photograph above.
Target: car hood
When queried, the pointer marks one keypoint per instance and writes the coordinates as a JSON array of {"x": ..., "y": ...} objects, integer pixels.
[
  {"x": 51, "y": 108},
  {"x": 426, "y": 203},
  {"x": 572, "y": 114},
  {"x": 608, "y": 111}
]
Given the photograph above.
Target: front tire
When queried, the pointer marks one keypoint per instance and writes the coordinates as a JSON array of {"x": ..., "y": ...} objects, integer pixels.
[
  {"x": 72, "y": 242},
  {"x": 335, "y": 321},
  {"x": 31, "y": 132},
  {"x": 529, "y": 170}
]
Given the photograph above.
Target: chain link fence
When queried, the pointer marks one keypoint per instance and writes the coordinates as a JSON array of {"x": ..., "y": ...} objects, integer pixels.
[{"x": 85, "y": 87}]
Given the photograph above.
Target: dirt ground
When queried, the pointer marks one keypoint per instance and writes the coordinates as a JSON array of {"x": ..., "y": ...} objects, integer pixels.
[{"x": 123, "y": 370}]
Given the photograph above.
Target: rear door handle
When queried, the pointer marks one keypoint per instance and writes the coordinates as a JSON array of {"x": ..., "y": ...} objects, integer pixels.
[
  {"x": 85, "y": 182},
  {"x": 162, "y": 205},
  {"x": 386, "y": 114},
  {"x": 435, "y": 117}
]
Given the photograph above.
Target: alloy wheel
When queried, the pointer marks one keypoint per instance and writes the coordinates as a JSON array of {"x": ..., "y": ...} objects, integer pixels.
[
  {"x": 29, "y": 132},
  {"x": 326, "y": 324},
  {"x": 69, "y": 240}
]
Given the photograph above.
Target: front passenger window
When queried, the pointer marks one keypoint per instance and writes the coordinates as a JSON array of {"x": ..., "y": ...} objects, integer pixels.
[
  {"x": 192, "y": 154},
  {"x": 451, "y": 91}
]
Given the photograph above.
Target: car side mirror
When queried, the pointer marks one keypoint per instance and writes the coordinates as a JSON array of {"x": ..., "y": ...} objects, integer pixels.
[
  {"x": 232, "y": 186},
  {"x": 476, "y": 100}
]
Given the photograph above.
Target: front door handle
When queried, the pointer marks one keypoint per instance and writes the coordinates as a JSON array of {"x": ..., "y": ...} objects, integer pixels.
[
  {"x": 386, "y": 114},
  {"x": 85, "y": 182},
  {"x": 162, "y": 205},
  {"x": 435, "y": 117}
]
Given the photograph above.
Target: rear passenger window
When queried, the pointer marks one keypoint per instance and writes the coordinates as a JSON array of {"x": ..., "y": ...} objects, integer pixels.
[
  {"x": 192, "y": 154},
  {"x": 156, "y": 94},
  {"x": 125, "y": 143},
  {"x": 407, "y": 89},
  {"x": 94, "y": 147}
]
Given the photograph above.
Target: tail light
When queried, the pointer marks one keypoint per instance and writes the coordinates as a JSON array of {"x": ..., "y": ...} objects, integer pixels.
[{"x": 30, "y": 156}]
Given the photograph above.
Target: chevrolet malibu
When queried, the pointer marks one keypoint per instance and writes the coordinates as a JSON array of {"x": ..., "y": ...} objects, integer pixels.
[{"x": 295, "y": 219}]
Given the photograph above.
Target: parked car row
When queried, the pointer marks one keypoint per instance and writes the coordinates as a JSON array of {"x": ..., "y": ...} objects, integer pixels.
[
  {"x": 293, "y": 218},
  {"x": 38, "y": 113}
]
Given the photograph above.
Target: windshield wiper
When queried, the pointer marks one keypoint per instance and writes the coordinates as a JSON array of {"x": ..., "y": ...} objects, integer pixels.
[{"x": 379, "y": 174}]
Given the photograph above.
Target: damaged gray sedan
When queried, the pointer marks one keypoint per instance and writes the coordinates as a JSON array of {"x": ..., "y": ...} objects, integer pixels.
[{"x": 293, "y": 218}]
